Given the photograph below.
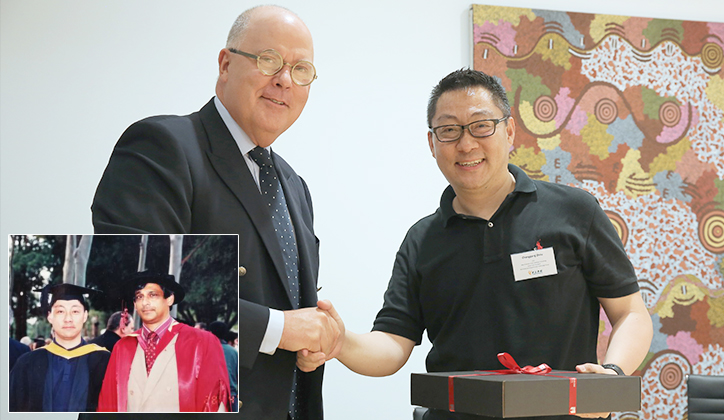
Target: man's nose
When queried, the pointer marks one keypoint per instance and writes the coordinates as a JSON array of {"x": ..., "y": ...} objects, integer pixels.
[
  {"x": 467, "y": 142},
  {"x": 284, "y": 76}
]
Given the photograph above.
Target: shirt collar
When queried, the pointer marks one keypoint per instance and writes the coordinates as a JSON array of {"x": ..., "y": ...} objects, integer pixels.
[
  {"x": 240, "y": 137},
  {"x": 160, "y": 330},
  {"x": 523, "y": 184}
]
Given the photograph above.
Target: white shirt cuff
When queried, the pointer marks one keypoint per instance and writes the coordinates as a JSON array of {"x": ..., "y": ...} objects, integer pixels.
[{"x": 274, "y": 330}]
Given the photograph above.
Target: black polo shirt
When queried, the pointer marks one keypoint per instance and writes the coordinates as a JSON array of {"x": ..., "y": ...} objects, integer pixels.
[{"x": 453, "y": 277}]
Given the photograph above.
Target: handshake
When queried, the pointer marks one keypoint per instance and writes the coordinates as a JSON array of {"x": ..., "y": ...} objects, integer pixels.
[{"x": 316, "y": 334}]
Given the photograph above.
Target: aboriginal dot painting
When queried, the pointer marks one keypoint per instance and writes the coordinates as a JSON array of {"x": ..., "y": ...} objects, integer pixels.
[{"x": 630, "y": 109}]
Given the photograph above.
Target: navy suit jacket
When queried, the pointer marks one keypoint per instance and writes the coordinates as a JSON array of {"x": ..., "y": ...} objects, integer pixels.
[
  {"x": 108, "y": 339},
  {"x": 186, "y": 175}
]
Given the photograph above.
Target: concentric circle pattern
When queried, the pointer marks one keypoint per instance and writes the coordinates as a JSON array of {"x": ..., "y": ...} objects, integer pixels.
[
  {"x": 606, "y": 111},
  {"x": 545, "y": 108},
  {"x": 669, "y": 114},
  {"x": 619, "y": 224},
  {"x": 671, "y": 376},
  {"x": 711, "y": 231},
  {"x": 712, "y": 55}
]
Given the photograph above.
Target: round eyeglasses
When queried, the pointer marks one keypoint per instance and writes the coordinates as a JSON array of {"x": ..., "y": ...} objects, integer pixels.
[
  {"x": 270, "y": 62},
  {"x": 478, "y": 129}
]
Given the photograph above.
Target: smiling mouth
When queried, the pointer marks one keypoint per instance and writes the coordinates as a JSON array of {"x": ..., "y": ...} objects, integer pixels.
[
  {"x": 470, "y": 164},
  {"x": 276, "y": 102}
]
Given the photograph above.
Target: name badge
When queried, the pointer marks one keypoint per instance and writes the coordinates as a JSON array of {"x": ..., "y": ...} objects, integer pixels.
[{"x": 534, "y": 264}]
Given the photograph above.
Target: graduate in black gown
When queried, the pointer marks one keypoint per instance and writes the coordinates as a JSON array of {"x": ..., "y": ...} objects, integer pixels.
[{"x": 67, "y": 374}]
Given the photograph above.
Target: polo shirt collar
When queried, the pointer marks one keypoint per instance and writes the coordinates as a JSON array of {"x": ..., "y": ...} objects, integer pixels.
[{"x": 523, "y": 184}]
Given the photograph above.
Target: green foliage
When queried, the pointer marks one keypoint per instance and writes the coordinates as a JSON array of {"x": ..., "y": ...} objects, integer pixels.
[
  {"x": 35, "y": 259},
  {"x": 209, "y": 275},
  {"x": 113, "y": 258}
]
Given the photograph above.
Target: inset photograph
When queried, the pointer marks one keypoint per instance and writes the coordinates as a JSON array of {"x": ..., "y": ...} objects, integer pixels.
[{"x": 123, "y": 323}]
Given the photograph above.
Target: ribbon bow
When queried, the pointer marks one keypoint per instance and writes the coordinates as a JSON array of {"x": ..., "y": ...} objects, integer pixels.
[{"x": 513, "y": 367}]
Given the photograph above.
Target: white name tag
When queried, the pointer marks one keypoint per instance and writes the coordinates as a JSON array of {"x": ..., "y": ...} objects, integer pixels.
[{"x": 534, "y": 264}]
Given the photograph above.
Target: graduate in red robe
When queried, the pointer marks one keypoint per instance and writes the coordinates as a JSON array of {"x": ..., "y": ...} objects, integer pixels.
[{"x": 202, "y": 380}]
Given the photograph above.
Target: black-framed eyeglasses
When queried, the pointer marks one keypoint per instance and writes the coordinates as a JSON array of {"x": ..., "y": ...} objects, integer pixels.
[
  {"x": 478, "y": 129},
  {"x": 270, "y": 62}
]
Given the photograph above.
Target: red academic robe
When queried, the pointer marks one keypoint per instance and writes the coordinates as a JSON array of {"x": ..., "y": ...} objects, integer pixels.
[{"x": 203, "y": 380}]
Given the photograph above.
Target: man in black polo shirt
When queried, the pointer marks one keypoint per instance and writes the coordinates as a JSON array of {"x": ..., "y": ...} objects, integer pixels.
[{"x": 506, "y": 264}]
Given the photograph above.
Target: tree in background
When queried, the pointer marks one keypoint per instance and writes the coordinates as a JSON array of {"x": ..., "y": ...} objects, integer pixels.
[
  {"x": 209, "y": 274},
  {"x": 211, "y": 279},
  {"x": 36, "y": 260},
  {"x": 77, "y": 250}
]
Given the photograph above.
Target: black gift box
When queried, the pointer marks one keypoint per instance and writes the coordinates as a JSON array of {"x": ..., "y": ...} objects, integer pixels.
[{"x": 517, "y": 395}]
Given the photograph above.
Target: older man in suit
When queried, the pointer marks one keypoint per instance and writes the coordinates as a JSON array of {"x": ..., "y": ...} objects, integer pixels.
[{"x": 212, "y": 172}]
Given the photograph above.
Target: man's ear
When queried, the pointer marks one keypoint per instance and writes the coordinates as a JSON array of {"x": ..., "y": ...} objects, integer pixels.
[
  {"x": 223, "y": 62},
  {"x": 170, "y": 300},
  {"x": 510, "y": 131},
  {"x": 431, "y": 142}
]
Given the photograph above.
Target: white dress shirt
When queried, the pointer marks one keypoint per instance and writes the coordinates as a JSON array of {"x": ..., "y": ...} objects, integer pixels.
[{"x": 275, "y": 327}]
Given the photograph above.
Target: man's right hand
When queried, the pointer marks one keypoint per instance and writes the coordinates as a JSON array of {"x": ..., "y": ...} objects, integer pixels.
[
  {"x": 312, "y": 329},
  {"x": 308, "y": 361}
]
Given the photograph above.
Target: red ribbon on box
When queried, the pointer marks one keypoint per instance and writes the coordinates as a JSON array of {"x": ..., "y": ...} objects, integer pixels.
[{"x": 513, "y": 368}]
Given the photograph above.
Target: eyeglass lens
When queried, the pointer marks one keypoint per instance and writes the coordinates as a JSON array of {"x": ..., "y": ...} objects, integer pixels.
[
  {"x": 477, "y": 129},
  {"x": 270, "y": 62}
]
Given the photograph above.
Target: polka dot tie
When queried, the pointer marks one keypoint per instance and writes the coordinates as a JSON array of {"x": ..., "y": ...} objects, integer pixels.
[
  {"x": 151, "y": 342},
  {"x": 273, "y": 195}
]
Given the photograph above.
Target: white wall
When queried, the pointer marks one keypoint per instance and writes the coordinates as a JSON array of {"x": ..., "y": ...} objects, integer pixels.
[{"x": 75, "y": 74}]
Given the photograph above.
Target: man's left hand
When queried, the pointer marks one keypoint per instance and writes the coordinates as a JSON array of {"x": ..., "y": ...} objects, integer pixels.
[{"x": 594, "y": 368}]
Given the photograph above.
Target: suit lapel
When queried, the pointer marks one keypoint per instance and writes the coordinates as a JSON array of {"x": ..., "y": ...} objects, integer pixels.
[{"x": 229, "y": 164}]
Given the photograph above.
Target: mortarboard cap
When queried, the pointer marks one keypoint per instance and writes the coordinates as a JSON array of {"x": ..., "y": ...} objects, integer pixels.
[
  {"x": 64, "y": 291},
  {"x": 167, "y": 281}
]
